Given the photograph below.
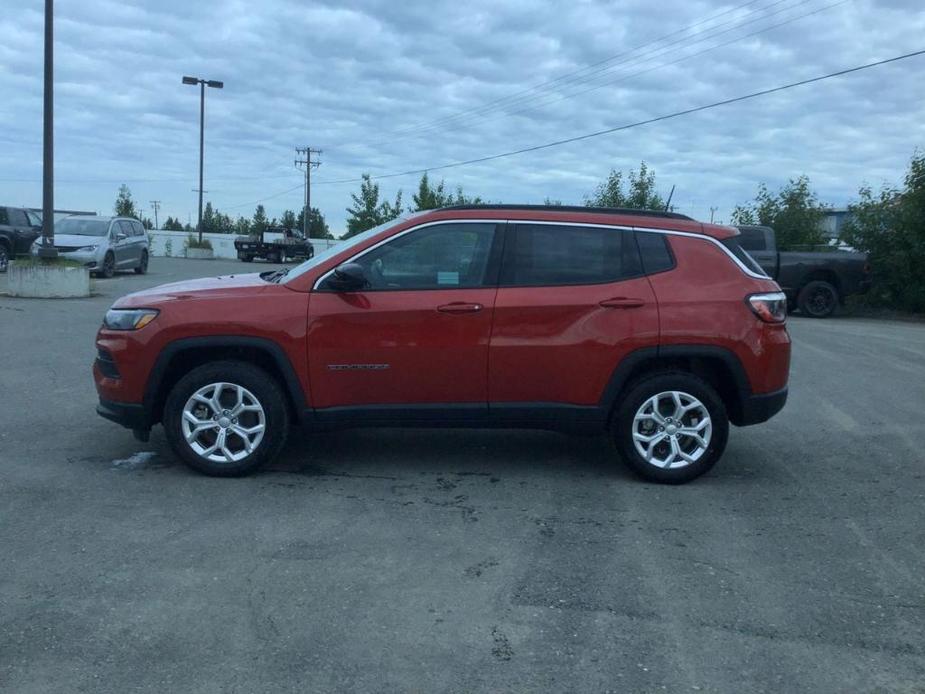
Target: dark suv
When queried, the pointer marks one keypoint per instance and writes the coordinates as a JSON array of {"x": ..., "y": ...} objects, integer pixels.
[
  {"x": 19, "y": 227},
  {"x": 650, "y": 326}
]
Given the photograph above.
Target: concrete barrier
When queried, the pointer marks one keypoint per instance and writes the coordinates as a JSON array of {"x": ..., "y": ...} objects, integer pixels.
[{"x": 39, "y": 281}]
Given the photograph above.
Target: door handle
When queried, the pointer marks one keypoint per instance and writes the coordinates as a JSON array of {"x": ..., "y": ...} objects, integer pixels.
[
  {"x": 622, "y": 302},
  {"x": 460, "y": 307}
]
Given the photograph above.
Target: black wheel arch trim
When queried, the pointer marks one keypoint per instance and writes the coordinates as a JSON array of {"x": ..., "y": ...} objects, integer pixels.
[
  {"x": 626, "y": 367},
  {"x": 172, "y": 349}
]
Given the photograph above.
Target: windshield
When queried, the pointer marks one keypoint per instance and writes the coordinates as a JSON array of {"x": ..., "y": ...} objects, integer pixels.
[
  {"x": 82, "y": 226},
  {"x": 344, "y": 245}
]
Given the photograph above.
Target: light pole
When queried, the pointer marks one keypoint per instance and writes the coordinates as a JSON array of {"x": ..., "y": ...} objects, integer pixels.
[
  {"x": 47, "y": 249},
  {"x": 215, "y": 84}
]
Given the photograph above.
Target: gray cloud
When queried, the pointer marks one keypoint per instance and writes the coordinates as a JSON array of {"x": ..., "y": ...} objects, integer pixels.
[{"x": 366, "y": 82}]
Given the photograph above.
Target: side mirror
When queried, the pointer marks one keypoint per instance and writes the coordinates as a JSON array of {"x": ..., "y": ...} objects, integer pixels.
[
  {"x": 121, "y": 237},
  {"x": 348, "y": 277}
]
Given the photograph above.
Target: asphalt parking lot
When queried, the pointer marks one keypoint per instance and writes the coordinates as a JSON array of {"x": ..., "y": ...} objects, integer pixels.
[{"x": 454, "y": 561}]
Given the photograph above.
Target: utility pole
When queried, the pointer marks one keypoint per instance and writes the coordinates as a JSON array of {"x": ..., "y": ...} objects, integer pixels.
[
  {"x": 155, "y": 204},
  {"x": 712, "y": 212},
  {"x": 309, "y": 164}
]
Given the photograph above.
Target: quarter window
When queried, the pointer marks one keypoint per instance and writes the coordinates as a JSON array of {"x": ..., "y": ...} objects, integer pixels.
[
  {"x": 653, "y": 248},
  {"x": 548, "y": 254},
  {"x": 442, "y": 256}
]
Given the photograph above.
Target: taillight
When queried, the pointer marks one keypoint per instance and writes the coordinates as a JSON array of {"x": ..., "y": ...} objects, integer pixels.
[{"x": 770, "y": 307}]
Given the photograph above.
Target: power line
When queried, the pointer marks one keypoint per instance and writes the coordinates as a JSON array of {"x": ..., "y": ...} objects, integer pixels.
[
  {"x": 566, "y": 76},
  {"x": 628, "y": 126},
  {"x": 561, "y": 97},
  {"x": 543, "y": 99}
]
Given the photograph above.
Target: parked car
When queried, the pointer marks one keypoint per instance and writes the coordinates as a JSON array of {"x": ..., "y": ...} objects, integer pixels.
[
  {"x": 816, "y": 282},
  {"x": 291, "y": 244},
  {"x": 103, "y": 244},
  {"x": 650, "y": 326},
  {"x": 19, "y": 227}
]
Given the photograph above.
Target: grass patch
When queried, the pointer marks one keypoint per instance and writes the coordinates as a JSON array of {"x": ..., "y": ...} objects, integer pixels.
[
  {"x": 193, "y": 242},
  {"x": 32, "y": 261}
]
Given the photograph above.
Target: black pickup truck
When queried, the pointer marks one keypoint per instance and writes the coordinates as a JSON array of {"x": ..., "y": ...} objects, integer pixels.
[
  {"x": 815, "y": 282},
  {"x": 291, "y": 245},
  {"x": 19, "y": 227}
]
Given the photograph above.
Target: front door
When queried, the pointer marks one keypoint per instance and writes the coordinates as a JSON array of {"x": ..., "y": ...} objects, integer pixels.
[{"x": 416, "y": 338}]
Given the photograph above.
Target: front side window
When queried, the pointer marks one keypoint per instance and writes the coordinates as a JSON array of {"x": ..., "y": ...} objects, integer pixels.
[
  {"x": 442, "y": 256},
  {"x": 549, "y": 254}
]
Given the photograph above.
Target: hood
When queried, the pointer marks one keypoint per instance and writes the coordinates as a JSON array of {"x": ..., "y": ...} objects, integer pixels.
[
  {"x": 204, "y": 288},
  {"x": 78, "y": 240}
]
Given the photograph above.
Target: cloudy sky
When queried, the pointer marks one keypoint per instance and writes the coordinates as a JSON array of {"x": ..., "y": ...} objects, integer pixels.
[{"x": 384, "y": 87}]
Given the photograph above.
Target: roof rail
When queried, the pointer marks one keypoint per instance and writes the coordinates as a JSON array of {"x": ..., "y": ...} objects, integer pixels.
[{"x": 574, "y": 208}]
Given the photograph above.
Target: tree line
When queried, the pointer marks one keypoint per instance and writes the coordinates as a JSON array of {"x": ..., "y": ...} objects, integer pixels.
[{"x": 888, "y": 224}]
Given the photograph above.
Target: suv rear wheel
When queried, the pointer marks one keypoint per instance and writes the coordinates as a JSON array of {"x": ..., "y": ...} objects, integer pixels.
[
  {"x": 670, "y": 427},
  {"x": 226, "y": 418}
]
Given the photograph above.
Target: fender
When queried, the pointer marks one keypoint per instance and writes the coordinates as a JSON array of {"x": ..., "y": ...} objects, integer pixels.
[{"x": 172, "y": 349}]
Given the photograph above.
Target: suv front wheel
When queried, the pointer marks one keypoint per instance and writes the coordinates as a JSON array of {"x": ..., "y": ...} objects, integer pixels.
[
  {"x": 670, "y": 427},
  {"x": 226, "y": 418}
]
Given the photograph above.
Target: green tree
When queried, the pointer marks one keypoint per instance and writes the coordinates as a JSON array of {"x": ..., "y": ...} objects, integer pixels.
[
  {"x": 147, "y": 223},
  {"x": 172, "y": 224},
  {"x": 794, "y": 212},
  {"x": 889, "y": 226},
  {"x": 208, "y": 219},
  {"x": 290, "y": 221},
  {"x": 125, "y": 206},
  {"x": 389, "y": 211},
  {"x": 242, "y": 226},
  {"x": 636, "y": 191},
  {"x": 317, "y": 226},
  {"x": 366, "y": 211},
  {"x": 429, "y": 197},
  {"x": 259, "y": 223}
]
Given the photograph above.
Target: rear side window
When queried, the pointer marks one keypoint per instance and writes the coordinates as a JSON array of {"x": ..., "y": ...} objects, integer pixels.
[
  {"x": 17, "y": 218},
  {"x": 733, "y": 244},
  {"x": 654, "y": 251},
  {"x": 549, "y": 254},
  {"x": 4, "y": 219},
  {"x": 138, "y": 228}
]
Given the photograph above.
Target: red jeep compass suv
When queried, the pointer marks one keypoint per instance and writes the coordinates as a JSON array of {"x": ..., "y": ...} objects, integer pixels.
[{"x": 650, "y": 326}]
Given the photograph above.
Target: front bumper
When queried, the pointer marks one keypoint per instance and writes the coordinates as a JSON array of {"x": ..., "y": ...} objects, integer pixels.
[
  {"x": 760, "y": 408},
  {"x": 129, "y": 415},
  {"x": 88, "y": 259}
]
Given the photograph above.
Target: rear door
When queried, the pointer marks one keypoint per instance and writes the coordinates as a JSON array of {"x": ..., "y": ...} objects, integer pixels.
[
  {"x": 124, "y": 247},
  {"x": 572, "y": 302},
  {"x": 417, "y": 336}
]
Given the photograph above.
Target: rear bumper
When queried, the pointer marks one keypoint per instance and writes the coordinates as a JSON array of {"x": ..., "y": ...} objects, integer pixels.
[
  {"x": 129, "y": 415},
  {"x": 760, "y": 408}
]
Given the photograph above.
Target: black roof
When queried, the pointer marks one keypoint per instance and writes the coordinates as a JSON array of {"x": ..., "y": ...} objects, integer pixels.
[{"x": 575, "y": 208}]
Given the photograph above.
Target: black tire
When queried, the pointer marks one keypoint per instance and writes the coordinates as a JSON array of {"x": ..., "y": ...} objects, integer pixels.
[
  {"x": 265, "y": 390},
  {"x": 109, "y": 265},
  {"x": 247, "y": 258},
  {"x": 5, "y": 257},
  {"x": 623, "y": 422},
  {"x": 818, "y": 299},
  {"x": 143, "y": 266},
  {"x": 274, "y": 258}
]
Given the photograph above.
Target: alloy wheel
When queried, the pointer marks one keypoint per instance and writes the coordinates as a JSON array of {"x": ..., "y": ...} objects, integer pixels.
[
  {"x": 223, "y": 422},
  {"x": 672, "y": 430}
]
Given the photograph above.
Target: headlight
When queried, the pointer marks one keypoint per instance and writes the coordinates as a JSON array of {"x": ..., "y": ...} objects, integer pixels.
[
  {"x": 128, "y": 319},
  {"x": 88, "y": 249}
]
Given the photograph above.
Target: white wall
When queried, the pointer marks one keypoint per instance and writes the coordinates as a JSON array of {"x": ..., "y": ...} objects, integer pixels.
[{"x": 173, "y": 243}]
